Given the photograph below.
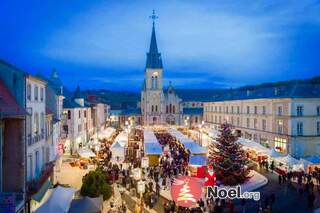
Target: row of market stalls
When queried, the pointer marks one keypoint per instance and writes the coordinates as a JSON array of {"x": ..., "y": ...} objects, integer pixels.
[
  {"x": 62, "y": 199},
  {"x": 152, "y": 147}
]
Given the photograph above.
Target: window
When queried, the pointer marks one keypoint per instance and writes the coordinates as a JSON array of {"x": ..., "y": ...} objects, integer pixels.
[
  {"x": 227, "y": 109},
  {"x": 42, "y": 122},
  {"x": 79, "y": 128},
  {"x": 156, "y": 108},
  {"x": 264, "y": 111},
  {"x": 29, "y": 92},
  {"x": 318, "y": 110},
  {"x": 300, "y": 128},
  {"x": 255, "y": 110},
  {"x": 30, "y": 169},
  {"x": 238, "y": 121},
  {"x": 36, "y": 123},
  {"x": 280, "y": 144},
  {"x": 232, "y": 120},
  {"x": 167, "y": 109},
  {"x": 238, "y": 109},
  {"x": 248, "y": 122},
  {"x": 299, "y": 110},
  {"x": 37, "y": 169},
  {"x": 219, "y": 119},
  {"x": 79, "y": 113},
  {"x": 174, "y": 109},
  {"x": 280, "y": 126},
  {"x": 255, "y": 123},
  {"x": 219, "y": 108},
  {"x": 36, "y": 93},
  {"x": 216, "y": 108},
  {"x": 41, "y": 94},
  {"x": 248, "y": 109},
  {"x": 152, "y": 108},
  {"x": 196, "y": 119},
  {"x": 279, "y": 110},
  {"x": 318, "y": 128},
  {"x": 264, "y": 125},
  {"x": 69, "y": 114},
  {"x": 232, "y": 109},
  {"x": 85, "y": 113}
]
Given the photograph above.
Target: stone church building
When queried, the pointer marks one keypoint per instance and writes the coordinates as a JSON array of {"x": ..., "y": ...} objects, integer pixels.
[{"x": 159, "y": 106}]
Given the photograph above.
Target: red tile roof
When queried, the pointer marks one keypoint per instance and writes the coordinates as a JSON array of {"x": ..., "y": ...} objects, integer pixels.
[{"x": 9, "y": 107}]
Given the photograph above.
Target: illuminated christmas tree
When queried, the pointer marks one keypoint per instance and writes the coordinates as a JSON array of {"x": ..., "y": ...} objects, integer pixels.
[{"x": 228, "y": 158}]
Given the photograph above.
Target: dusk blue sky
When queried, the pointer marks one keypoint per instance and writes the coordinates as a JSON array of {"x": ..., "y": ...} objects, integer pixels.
[{"x": 204, "y": 44}]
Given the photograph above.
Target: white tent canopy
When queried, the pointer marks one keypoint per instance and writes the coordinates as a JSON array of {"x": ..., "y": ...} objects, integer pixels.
[
  {"x": 59, "y": 201},
  {"x": 249, "y": 144},
  {"x": 119, "y": 145},
  {"x": 289, "y": 161},
  {"x": 86, "y": 153},
  {"x": 149, "y": 136},
  {"x": 187, "y": 142},
  {"x": 106, "y": 133}
]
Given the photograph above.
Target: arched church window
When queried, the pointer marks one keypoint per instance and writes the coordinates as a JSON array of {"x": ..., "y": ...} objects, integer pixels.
[
  {"x": 152, "y": 108},
  {"x": 167, "y": 109},
  {"x": 156, "y": 108},
  {"x": 170, "y": 108},
  {"x": 152, "y": 82},
  {"x": 156, "y": 82},
  {"x": 174, "y": 109}
]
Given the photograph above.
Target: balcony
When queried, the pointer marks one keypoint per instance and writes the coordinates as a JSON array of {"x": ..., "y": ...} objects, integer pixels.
[{"x": 35, "y": 185}]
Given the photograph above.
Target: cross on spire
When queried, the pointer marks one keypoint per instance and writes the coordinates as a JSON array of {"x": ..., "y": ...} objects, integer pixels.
[{"x": 153, "y": 17}]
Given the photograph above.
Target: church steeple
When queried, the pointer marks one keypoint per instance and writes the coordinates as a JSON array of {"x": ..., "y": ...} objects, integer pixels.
[{"x": 154, "y": 60}]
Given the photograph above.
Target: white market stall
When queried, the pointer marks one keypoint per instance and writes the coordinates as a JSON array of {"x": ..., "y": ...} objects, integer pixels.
[
  {"x": 190, "y": 144},
  {"x": 106, "y": 133},
  {"x": 86, "y": 153},
  {"x": 118, "y": 148},
  {"x": 152, "y": 148},
  {"x": 59, "y": 201}
]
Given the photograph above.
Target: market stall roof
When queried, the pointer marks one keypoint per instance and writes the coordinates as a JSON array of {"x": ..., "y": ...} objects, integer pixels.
[
  {"x": 149, "y": 136},
  {"x": 254, "y": 145},
  {"x": 86, "y": 205},
  {"x": 198, "y": 160},
  {"x": 274, "y": 154},
  {"x": 122, "y": 139},
  {"x": 289, "y": 160},
  {"x": 86, "y": 153},
  {"x": 106, "y": 133},
  {"x": 195, "y": 148},
  {"x": 313, "y": 159},
  {"x": 187, "y": 142},
  {"x": 152, "y": 149},
  {"x": 59, "y": 201}
]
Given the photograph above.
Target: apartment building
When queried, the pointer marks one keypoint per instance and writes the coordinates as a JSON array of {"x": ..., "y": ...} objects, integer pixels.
[{"x": 286, "y": 117}]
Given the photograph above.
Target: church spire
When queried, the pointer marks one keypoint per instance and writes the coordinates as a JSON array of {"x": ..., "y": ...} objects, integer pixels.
[{"x": 153, "y": 56}]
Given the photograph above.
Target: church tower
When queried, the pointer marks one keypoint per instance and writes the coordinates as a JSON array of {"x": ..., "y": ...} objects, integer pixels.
[{"x": 152, "y": 97}]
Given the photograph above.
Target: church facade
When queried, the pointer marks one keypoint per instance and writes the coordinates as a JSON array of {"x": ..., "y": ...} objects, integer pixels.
[{"x": 159, "y": 106}]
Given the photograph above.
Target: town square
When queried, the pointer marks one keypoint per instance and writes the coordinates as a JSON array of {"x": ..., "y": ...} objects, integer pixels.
[{"x": 159, "y": 106}]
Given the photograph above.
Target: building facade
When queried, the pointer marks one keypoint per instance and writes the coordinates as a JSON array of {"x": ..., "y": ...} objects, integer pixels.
[{"x": 289, "y": 123}]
